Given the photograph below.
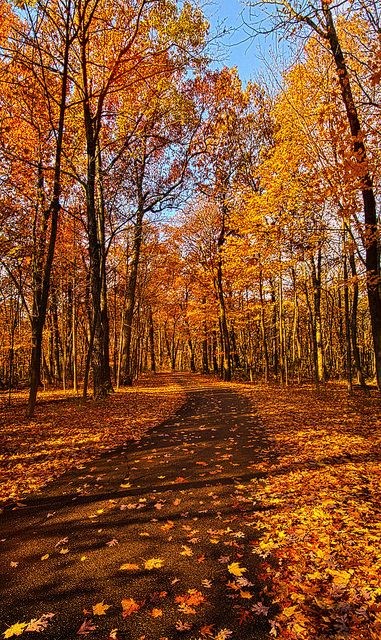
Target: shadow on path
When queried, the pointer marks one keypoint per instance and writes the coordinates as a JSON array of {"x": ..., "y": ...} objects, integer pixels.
[{"x": 175, "y": 497}]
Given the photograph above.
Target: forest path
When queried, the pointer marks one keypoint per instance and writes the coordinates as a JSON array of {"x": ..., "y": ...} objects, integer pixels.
[{"x": 171, "y": 509}]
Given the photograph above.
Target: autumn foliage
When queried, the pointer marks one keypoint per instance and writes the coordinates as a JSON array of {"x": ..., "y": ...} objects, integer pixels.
[{"x": 160, "y": 215}]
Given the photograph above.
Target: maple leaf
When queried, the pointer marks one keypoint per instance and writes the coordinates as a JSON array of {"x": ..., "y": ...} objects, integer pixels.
[
  {"x": 15, "y": 630},
  {"x": 153, "y": 563},
  {"x": 86, "y": 627},
  {"x": 129, "y": 606},
  {"x": 207, "y": 630},
  {"x": 235, "y": 569},
  {"x": 156, "y": 613},
  {"x": 290, "y": 611},
  {"x": 100, "y": 608},
  {"x": 186, "y": 551},
  {"x": 223, "y": 634},
  {"x": 340, "y": 578}
]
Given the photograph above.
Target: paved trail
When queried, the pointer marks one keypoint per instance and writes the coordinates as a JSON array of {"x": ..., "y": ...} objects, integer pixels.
[{"x": 171, "y": 509}]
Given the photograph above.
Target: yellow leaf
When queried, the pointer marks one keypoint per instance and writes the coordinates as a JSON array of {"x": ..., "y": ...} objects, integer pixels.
[
  {"x": 156, "y": 613},
  {"x": 236, "y": 570},
  {"x": 100, "y": 608},
  {"x": 15, "y": 630},
  {"x": 129, "y": 567},
  {"x": 45, "y": 557},
  {"x": 245, "y": 594},
  {"x": 340, "y": 578},
  {"x": 153, "y": 563},
  {"x": 289, "y": 611},
  {"x": 186, "y": 551}
]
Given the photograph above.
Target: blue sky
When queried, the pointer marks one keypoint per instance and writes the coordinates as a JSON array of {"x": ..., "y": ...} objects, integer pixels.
[{"x": 253, "y": 56}]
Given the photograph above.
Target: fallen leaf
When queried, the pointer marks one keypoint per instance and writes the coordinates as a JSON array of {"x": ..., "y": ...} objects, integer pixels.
[
  {"x": 153, "y": 563},
  {"x": 129, "y": 606},
  {"x": 112, "y": 543},
  {"x": 40, "y": 624},
  {"x": 100, "y": 608},
  {"x": 129, "y": 567},
  {"x": 186, "y": 551},
  {"x": 183, "y": 626},
  {"x": 235, "y": 569},
  {"x": 85, "y": 628},
  {"x": 223, "y": 634},
  {"x": 15, "y": 630}
]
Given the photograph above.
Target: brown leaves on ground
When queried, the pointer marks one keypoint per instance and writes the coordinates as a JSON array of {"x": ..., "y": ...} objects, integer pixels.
[
  {"x": 68, "y": 432},
  {"x": 278, "y": 530},
  {"x": 319, "y": 515}
]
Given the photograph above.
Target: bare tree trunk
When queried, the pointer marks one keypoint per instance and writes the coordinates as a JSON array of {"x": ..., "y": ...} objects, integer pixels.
[
  {"x": 43, "y": 261},
  {"x": 317, "y": 323},
  {"x": 151, "y": 333},
  {"x": 348, "y": 349},
  {"x": 265, "y": 350},
  {"x": 126, "y": 368},
  {"x": 225, "y": 340}
]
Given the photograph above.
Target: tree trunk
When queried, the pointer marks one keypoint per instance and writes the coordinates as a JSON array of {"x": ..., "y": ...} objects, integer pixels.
[
  {"x": 225, "y": 340},
  {"x": 43, "y": 261},
  {"x": 372, "y": 249},
  {"x": 265, "y": 350},
  {"x": 353, "y": 321},
  {"x": 127, "y": 376},
  {"x": 151, "y": 334},
  {"x": 205, "y": 360},
  {"x": 317, "y": 324},
  {"x": 348, "y": 346}
]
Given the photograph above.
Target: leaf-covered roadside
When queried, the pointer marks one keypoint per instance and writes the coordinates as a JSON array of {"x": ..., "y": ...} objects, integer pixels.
[
  {"x": 321, "y": 483},
  {"x": 68, "y": 432}
]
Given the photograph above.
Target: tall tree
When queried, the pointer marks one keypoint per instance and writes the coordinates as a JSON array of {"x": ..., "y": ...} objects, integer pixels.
[
  {"x": 45, "y": 69},
  {"x": 321, "y": 18}
]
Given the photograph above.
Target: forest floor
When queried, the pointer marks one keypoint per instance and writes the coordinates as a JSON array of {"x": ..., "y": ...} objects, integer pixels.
[
  {"x": 246, "y": 512},
  {"x": 68, "y": 431}
]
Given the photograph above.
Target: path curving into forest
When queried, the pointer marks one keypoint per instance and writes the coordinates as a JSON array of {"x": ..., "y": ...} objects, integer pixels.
[{"x": 154, "y": 539}]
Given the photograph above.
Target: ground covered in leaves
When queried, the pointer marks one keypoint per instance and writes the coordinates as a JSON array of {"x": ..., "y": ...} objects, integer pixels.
[
  {"x": 68, "y": 431},
  {"x": 252, "y": 513},
  {"x": 324, "y": 531}
]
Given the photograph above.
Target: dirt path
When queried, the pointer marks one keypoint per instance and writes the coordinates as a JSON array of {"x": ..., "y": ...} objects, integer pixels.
[{"x": 152, "y": 540}]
